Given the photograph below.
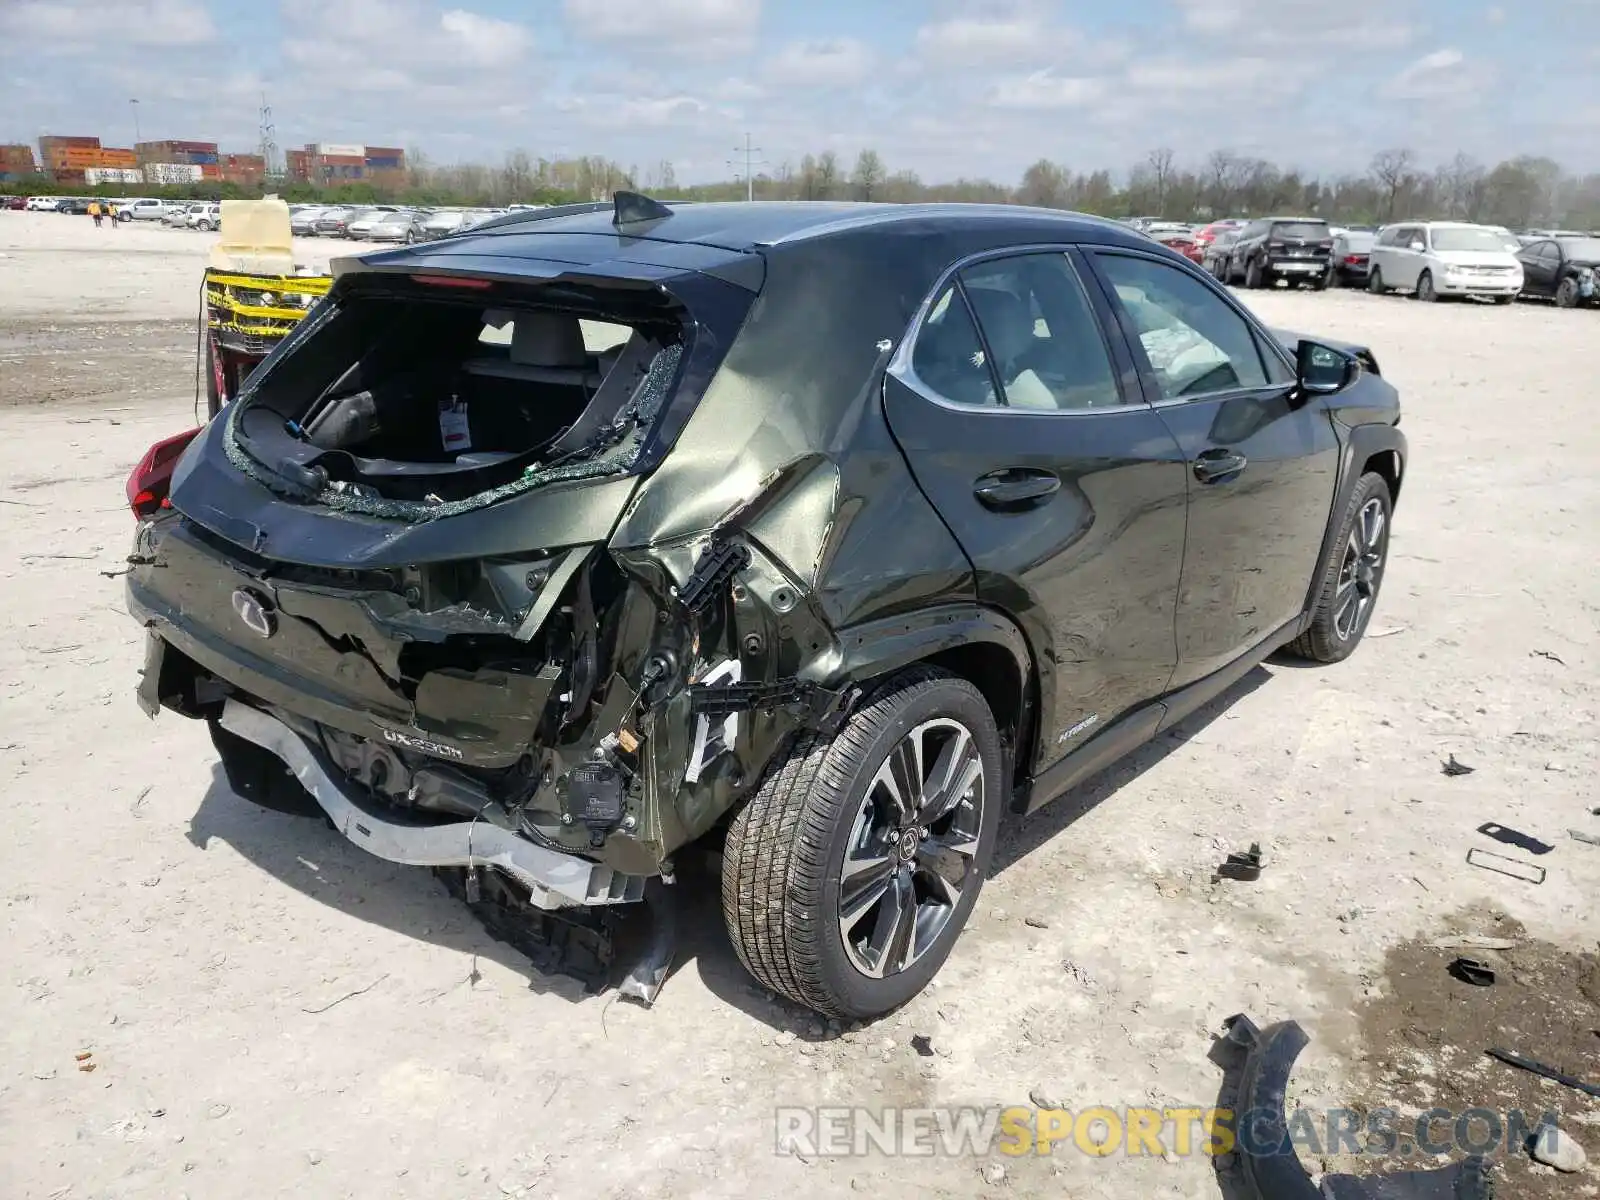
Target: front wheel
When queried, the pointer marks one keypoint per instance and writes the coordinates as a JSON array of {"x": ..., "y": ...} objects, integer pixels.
[
  {"x": 1567, "y": 293},
  {"x": 851, "y": 872},
  {"x": 1425, "y": 289},
  {"x": 1350, "y": 575}
]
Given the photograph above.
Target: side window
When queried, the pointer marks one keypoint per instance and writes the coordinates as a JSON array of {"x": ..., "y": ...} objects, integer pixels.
[
  {"x": 1195, "y": 342},
  {"x": 948, "y": 357},
  {"x": 1045, "y": 340},
  {"x": 1549, "y": 252},
  {"x": 1277, "y": 370}
]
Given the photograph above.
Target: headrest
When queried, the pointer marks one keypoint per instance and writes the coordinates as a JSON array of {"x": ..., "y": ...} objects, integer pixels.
[
  {"x": 1005, "y": 322},
  {"x": 547, "y": 340}
]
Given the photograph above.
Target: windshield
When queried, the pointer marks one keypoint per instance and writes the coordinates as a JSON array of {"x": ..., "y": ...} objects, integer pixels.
[
  {"x": 1581, "y": 249},
  {"x": 1304, "y": 230},
  {"x": 1357, "y": 242},
  {"x": 1467, "y": 239}
]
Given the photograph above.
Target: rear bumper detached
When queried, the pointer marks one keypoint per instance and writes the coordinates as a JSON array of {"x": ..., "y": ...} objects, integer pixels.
[{"x": 554, "y": 880}]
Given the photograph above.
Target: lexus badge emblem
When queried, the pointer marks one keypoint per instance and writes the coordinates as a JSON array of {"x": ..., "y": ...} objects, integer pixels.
[{"x": 256, "y": 611}]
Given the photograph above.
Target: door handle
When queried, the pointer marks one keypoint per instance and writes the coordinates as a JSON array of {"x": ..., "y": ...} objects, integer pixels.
[
  {"x": 1015, "y": 488},
  {"x": 1218, "y": 464}
]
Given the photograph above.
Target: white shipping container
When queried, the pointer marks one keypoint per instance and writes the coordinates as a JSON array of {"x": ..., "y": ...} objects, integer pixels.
[
  {"x": 340, "y": 150},
  {"x": 95, "y": 175},
  {"x": 173, "y": 173}
]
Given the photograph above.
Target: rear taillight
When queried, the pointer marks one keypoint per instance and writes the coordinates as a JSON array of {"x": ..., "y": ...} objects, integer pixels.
[
  {"x": 147, "y": 485},
  {"x": 1352, "y": 259},
  {"x": 1274, "y": 245}
]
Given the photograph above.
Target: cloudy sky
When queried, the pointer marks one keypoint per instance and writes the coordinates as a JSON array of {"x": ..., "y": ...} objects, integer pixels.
[{"x": 944, "y": 88}]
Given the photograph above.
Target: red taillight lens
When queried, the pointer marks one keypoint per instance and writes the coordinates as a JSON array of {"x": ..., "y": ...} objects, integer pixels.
[
  {"x": 455, "y": 281},
  {"x": 148, "y": 483}
]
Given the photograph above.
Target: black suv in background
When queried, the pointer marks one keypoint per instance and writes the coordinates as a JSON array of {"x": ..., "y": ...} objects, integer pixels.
[{"x": 1296, "y": 249}]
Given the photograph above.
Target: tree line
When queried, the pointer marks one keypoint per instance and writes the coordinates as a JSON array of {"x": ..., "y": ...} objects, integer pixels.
[{"x": 1521, "y": 192}]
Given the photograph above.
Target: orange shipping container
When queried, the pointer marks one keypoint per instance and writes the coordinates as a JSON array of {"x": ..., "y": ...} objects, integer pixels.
[
  {"x": 210, "y": 171},
  {"x": 75, "y": 156},
  {"x": 110, "y": 157}
]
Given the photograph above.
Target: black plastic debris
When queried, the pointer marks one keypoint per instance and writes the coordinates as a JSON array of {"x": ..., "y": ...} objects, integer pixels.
[
  {"x": 1246, "y": 867},
  {"x": 1473, "y": 971},
  {"x": 1502, "y": 864},
  {"x": 1453, "y": 768},
  {"x": 1547, "y": 1072},
  {"x": 1271, "y": 1169},
  {"x": 1512, "y": 837}
]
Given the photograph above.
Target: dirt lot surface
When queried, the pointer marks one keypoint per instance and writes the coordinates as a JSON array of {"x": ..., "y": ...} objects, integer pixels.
[{"x": 266, "y": 1011}]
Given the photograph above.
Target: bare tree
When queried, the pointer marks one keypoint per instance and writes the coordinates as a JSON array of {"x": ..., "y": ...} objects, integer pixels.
[
  {"x": 1394, "y": 171},
  {"x": 868, "y": 175},
  {"x": 826, "y": 175},
  {"x": 1044, "y": 185},
  {"x": 1160, "y": 160}
]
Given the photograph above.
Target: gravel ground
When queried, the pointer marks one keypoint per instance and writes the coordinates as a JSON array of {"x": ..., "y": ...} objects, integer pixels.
[{"x": 268, "y": 1012}]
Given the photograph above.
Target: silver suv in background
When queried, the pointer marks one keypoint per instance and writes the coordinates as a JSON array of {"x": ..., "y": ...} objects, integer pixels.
[{"x": 1435, "y": 259}]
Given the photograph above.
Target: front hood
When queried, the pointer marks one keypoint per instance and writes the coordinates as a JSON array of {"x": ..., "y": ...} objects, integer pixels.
[
  {"x": 210, "y": 491},
  {"x": 1477, "y": 258}
]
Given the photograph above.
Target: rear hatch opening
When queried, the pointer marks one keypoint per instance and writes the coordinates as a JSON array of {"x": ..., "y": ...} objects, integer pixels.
[{"x": 415, "y": 397}]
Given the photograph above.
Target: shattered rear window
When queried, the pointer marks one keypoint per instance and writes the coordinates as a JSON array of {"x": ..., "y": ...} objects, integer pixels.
[{"x": 413, "y": 404}]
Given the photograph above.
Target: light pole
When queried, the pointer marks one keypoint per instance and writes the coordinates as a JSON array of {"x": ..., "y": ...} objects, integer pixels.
[
  {"x": 749, "y": 152},
  {"x": 137, "y": 136}
]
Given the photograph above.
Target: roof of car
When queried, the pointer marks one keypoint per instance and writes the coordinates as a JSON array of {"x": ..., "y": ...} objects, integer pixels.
[{"x": 747, "y": 226}]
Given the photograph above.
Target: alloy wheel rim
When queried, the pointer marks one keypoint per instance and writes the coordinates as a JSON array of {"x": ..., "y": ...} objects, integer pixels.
[
  {"x": 1361, "y": 569},
  {"x": 912, "y": 850}
]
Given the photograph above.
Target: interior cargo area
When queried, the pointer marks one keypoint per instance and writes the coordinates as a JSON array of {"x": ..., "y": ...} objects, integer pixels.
[{"x": 433, "y": 398}]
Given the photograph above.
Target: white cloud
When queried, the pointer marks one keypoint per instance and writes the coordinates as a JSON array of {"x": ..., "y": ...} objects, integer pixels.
[
  {"x": 1045, "y": 90},
  {"x": 693, "y": 28},
  {"x": 997, "y": 35},
  {"x": 73, "y": 25},
  {"x": 485, "y": 41},
  {"x": 836, "y": 62},
  {"x": 1443, "y": 74}
]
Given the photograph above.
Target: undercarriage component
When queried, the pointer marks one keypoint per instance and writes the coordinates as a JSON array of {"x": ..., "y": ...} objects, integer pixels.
[
  {"x": 577, "y": 942},
  {"x": 662, "y": 906},
  {"x": 553, "y": 879},
  {"x": 1267, "y": 1156},
  {"x": 596, "y": 799},
  {"x": 713, "y": 570},
  {"x": 812, "y": 705}
]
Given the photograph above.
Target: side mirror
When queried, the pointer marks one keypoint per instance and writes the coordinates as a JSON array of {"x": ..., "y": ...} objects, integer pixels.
[{"x": 1323, "y": 370}]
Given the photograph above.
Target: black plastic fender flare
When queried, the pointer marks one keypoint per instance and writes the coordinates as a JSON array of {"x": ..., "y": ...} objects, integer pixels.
[{"x": 1267, "y": 1158}]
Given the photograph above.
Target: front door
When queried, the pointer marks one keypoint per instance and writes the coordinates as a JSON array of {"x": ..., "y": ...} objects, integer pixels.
[
  {"x": 1026, "y": 428},
  {"x": 1262, "y": 459}
]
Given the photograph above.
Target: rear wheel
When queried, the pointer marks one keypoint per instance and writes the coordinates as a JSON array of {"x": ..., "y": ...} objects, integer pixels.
[
  {"x": 1505, "y": 299},
  {"x": 1567, "y": 293},
  {"x": 1254, "y": 275},
  {"x": 1375, "y": 282},
  {"x": 1350, "y": 575},
  {"x": 851, "y": 872}
]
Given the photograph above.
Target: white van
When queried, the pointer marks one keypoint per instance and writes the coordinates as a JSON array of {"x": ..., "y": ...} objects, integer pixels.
[{"x": 1435, "y": 259}]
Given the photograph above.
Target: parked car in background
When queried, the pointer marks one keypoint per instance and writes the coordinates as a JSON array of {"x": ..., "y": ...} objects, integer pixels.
[
  {"x": 43, "y": 203},
  {"x": 1206, "y": 234},
  {"x": 179, "y": 214},
  {"x": 304, "y": 222},
  {"x": 204, "y": 217},
  {"x": 76, "y": 206},
  {"x": 331, "y": 222},
  {"x": 1435, "y": 259},
  {"x": 142, "y": 210},
  {"x": 17, "y": 203},
  {"x": 1296, "y": 249},
  {"x": 444, "y": 222},
  {"x": 1217, "y": 254},
  {"x": 498, "y": 645},
  {"x": 1563, "y": 269},
  {"x": 402, "y": 226},
  {"x": 1181, "y": 239},
  {"x": 1509, "y": 239},
  {"x": 360, "y": 223},
  {"x": 1348, "y": 262}
]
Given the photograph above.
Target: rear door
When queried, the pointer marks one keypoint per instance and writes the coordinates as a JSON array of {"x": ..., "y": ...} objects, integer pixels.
[
  {"x": 1262, "y": 460},
  {"x": 1541, "y": 265},
  {"x": 1026, "y": 427}
]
